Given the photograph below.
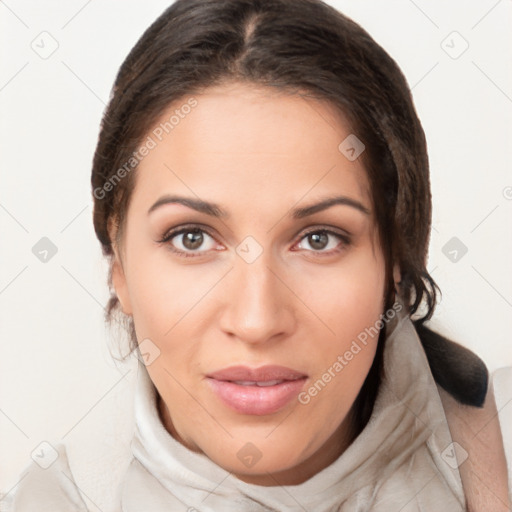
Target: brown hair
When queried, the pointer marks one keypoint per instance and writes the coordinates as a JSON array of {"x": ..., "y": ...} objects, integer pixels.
[{"x": 295, "y": 46}]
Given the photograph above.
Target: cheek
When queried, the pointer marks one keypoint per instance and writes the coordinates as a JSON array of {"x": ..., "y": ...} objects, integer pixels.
[
  {"x": 349, "y": 303},
  {"x": 163, "y": 293},
  {"x": 347, "y": 298}
]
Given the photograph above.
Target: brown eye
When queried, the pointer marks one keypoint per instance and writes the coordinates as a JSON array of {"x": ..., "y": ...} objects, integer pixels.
[
  {"x": 318, "y": 240},
  {"x": 323, "y": 241},
  {"x": 192, "y": 239}
]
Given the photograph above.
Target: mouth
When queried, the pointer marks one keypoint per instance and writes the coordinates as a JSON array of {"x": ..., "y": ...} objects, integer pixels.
[
  {"x": 258, "y": 391},
  {"x": 261, "y": 383}
]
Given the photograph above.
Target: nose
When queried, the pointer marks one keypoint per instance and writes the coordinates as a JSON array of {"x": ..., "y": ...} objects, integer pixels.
[{"x": 258, "y": 307}]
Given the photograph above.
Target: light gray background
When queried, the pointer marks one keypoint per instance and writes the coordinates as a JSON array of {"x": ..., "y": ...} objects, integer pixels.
[{"x": 57, "y": 379}]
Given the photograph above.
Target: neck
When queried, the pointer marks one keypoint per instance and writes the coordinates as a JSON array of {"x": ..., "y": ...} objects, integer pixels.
[{"x": 339, "y": 441}]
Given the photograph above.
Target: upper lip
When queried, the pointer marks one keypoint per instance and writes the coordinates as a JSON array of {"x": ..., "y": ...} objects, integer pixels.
[{"x": 261, "y": 374}]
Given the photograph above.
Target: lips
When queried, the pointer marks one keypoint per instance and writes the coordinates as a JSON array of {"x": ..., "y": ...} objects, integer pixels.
[
  {"x": 262, "y": 374},
  {"x": 256, "y": 391}
]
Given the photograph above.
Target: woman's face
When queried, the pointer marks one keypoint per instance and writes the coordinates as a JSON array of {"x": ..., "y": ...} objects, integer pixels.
[{"x": 250, "y": 241}]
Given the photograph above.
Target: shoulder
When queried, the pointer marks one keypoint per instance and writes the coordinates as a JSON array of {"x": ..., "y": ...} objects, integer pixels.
[
  {"x": 47, "y": 484},
  {"x": 482, "y": 465},
  {"x": 88, "y": 469},
  {"x": 71, "y": 477},
  {"x": 502, "y": 385},
  {"x": 467, "y": 393}
]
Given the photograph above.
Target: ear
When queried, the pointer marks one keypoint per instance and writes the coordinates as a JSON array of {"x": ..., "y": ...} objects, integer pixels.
[
  {"x": 397, "y": 276},
  {"x": 120, "y": 284}
]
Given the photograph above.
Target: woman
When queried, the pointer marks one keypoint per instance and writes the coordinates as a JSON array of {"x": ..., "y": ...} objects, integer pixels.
[{"x": 261, "y": 190}]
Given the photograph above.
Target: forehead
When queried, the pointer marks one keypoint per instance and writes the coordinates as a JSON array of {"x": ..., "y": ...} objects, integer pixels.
[{"x": 251, "y": 146}]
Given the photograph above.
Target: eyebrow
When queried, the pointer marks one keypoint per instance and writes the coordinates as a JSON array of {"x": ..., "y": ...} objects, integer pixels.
[
  {"x": 215, "y": 210},
  {"x": 300, "y": 213}
]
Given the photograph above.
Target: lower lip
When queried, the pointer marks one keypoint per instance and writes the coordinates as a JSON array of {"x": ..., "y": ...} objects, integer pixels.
[{"x": 257, "y": 400}]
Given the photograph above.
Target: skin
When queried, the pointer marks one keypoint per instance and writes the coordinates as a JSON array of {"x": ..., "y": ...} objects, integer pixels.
[{"x": 257, "y": 154}]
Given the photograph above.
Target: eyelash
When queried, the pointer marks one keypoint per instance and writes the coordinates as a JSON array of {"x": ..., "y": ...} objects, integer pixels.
[{"x": 169, "y": 235}]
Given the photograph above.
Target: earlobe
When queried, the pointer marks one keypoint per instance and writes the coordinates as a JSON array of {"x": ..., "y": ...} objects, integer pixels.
[
  {"x": 397, "y": 277},
  {"x": 120, "y": 285}
]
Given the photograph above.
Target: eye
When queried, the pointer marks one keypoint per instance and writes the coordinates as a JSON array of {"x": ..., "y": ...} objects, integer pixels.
[
  {"x": 189, "y": 241},
  {"x": 193, "y": 241},
  {"x": 324, "y": 241}
]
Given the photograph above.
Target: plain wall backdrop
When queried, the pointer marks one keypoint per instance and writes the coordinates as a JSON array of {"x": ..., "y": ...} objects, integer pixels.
[{"x": 58, "y": 63}]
